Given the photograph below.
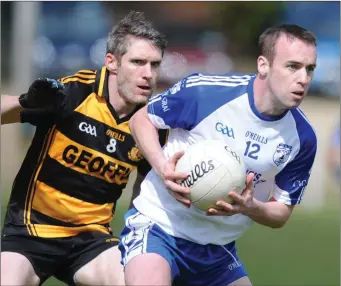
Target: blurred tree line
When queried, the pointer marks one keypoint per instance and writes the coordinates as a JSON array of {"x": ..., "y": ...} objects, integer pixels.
[
  {"x": 243, "y": 22},
  {"x": 240, "y": 22}
]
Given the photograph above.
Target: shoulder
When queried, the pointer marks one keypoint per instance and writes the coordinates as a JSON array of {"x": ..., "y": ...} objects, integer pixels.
[
  {"x": 211, "y": 85},
  {"x": 204, "y": 85},
  {"x": 78, "y": 87},
  {"x": 83, "y": 80},
  {"x": 305, "y": 130},
  {"x": 81, "y": 76},
  {"x": 307, "y": 137}
]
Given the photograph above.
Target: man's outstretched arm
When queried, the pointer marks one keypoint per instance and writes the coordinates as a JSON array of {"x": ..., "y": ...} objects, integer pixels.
[
  {"x": 10, "y": 109},
  {"x": 147, "y": 138},
  {"x": 43, "y": 94}
]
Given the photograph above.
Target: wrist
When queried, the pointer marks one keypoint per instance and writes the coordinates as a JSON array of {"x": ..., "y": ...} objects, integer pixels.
[
  {"x": 254, "y": 209},
  {"x": 159, "y": 167},
  {"x": 23, "y": 101}
]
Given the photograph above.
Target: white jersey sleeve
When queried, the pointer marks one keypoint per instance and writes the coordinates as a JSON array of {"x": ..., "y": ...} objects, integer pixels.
[
  {"x": 193, "y": 99},
  {"x": 174, "y": 108},
  {"x": 292, "y": 181}
]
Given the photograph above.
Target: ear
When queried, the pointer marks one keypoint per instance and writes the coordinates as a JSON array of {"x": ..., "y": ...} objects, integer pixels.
[
  {"x": 111, "y": 62},
  {"x": 263, "y": 66}
]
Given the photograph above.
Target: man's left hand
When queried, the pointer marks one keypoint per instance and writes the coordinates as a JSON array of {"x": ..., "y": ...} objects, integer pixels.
[{"x": 243, "y": 203}]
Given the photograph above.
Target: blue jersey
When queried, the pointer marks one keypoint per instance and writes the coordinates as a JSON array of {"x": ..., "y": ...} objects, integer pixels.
[{"x": 279, "y": 150}]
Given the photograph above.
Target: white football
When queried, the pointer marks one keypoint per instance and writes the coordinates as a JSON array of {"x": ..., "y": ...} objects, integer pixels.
[{"x": 214, "y": 171}]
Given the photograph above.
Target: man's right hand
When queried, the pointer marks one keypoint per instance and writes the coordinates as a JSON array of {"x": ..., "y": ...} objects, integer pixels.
[
  {"x": 44, "y": 93},
  {"x": 171, "y": 177}
]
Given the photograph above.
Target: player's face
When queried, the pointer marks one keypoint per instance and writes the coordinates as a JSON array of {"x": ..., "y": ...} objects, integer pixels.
[
  {"x": 138, "y": 70},
  {"x": 291, "y": 72}
]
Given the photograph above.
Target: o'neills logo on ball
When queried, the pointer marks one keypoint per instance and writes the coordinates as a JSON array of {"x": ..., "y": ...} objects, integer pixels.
[{"x": 197, "y": 172}]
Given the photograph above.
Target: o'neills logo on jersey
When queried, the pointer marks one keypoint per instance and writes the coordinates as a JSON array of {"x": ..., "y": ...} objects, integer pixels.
[
  {"x": 198, "y": 172},
  {"x": 115, "y": 135},
  {"x": 134, "y": 154}
]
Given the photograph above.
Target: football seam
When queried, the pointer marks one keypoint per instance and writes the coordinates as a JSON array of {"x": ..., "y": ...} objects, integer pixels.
[{"x": 213, "y": 186}]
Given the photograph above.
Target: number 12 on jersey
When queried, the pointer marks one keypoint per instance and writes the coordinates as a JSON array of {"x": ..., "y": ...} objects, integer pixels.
[{"x": 251, "y": 150}]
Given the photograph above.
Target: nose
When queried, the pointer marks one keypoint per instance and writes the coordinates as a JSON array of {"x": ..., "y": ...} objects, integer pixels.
[
  {"x": 147, "y": 72},
  {"x": 304, "y": 77}
]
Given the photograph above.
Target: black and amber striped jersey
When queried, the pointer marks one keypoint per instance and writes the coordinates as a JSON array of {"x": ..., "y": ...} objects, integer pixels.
[{"x": 77, "y": 165}]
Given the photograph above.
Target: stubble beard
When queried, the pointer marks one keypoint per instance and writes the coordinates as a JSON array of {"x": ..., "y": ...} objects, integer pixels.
[{"x": 130, "y": 98}]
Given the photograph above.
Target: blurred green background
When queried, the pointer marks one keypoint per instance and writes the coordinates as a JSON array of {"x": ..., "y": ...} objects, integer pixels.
[
  {"x": 306, "y": 251},
  {"x": 55, "y": 39}
]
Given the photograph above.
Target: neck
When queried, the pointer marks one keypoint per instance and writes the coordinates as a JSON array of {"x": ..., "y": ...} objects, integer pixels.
[
  {"x": 265, "y": 102},
  {"x": 121, "y": 106}
]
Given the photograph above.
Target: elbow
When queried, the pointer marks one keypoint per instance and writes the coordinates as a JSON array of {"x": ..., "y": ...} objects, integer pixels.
[
  {"x": 278, "y": 224},
  {"x": 132, "y": 124}
]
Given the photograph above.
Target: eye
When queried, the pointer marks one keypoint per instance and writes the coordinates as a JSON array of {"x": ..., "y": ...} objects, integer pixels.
[
  {"x": 138, "y": 62},
  {"x": 293, "y": 66},
  {"x": 310, "y": 69},
  {"x": 156, "y": 64}
]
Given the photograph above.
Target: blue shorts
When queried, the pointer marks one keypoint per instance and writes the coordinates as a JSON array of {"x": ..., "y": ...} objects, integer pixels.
[{"x": 191, "y": 263}]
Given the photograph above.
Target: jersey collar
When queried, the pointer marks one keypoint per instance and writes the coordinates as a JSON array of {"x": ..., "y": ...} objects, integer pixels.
[
  {"x": 102, "y": 76},
  {"x": 102, "y": 90}
]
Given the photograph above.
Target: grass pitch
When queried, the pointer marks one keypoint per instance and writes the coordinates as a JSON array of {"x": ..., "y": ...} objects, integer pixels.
[{"x": 305, "y": 252}]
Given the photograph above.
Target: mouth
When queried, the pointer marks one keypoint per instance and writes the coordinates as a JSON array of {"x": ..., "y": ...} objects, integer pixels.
[
  {"x": 144, "y": 87},
  {"x": 298, "y": 93},
  {"x": 144, "y": 90}
]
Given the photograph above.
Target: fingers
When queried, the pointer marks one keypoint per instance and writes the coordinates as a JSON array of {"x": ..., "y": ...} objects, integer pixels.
[
  {"x": 236, "y": 198},
  {"x": 56, "y": 84},
  {"x": 175, "y": 176},
  {"x": 48, "y": 83},
  {"x": 248, "y": 191},
  {"x": 249, "y": 180},
  {"x": 221, "y": 212},
  {"x": 239, "y": 201},
  {"x": 215, "y": 212},
  {"x": 169, "y": 172},
  {"x": 176, "y": 157},
  {"x": 223, "y": 209},
  {"x": 180, "y": 198},
  {"x": 175, "y": 187},
  {"x": 172, "y": 180}
]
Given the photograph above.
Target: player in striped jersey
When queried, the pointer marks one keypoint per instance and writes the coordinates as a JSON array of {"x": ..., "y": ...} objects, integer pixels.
[
  {"x": 165, "y": 242},
  {"x": 80, "y": 159}
]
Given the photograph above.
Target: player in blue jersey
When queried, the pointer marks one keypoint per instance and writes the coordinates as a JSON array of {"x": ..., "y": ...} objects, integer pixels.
[{"x": 166, "y": 240}]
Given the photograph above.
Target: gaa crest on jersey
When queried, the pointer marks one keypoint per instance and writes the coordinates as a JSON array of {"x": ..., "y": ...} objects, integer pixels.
[
  {"x": 282, "y": 153},
  {"x": 134, "y": 154}
]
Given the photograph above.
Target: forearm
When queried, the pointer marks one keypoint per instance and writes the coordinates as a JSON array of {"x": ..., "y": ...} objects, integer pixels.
[
  {"x": 10, "y": 109},
  {"x": 147, "y": 139},
  {"x": 272, "y": 214},
  {"x": 136, "y": 188}
]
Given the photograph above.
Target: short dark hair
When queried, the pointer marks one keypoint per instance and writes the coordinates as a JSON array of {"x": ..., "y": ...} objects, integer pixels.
[
  {"x": 134, "y": 24},
  {"x": 268, "y": 39}
]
